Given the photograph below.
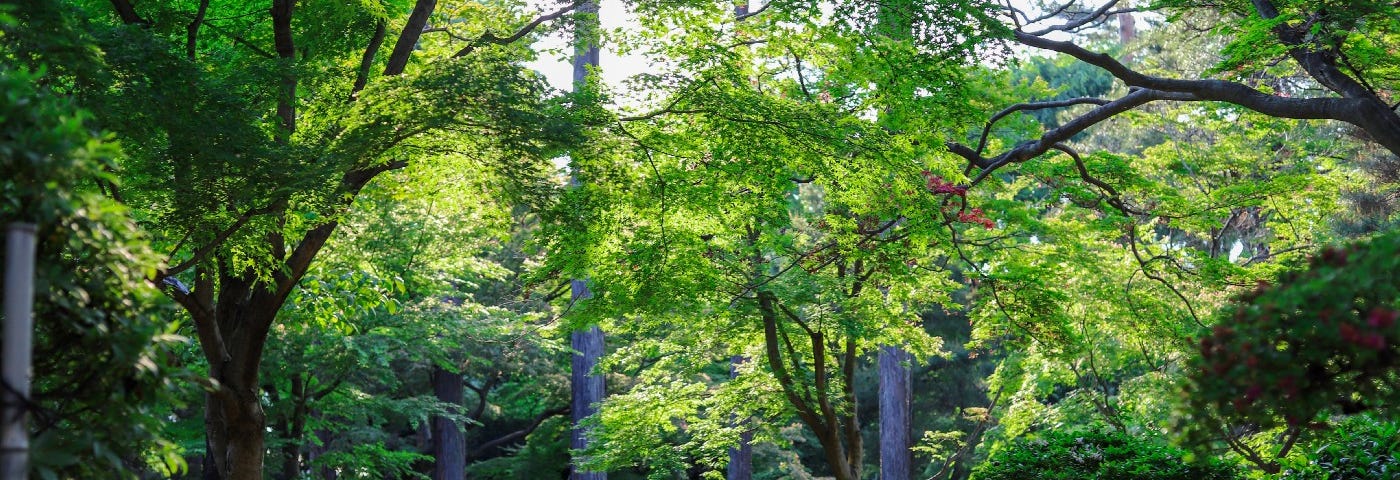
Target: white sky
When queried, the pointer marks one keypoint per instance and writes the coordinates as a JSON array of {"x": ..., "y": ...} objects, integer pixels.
[
  {"x": 555, "y": 60},
  {"x": 558, "y": 68}
]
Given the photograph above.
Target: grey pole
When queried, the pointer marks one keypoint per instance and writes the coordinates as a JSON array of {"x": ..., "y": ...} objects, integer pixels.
[{"x": 18, "y": 350}]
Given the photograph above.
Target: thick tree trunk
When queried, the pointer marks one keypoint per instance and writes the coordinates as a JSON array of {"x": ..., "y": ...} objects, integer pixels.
[
  {"x": 449, "y": 445},
  {"x": 895, "y": 456},
  {"x": 236, "y": 429}
]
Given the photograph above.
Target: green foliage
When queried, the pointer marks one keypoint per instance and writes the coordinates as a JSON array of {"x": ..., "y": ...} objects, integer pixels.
[
  {"x": 1323, "y": 340},
  {"x": 1358, "y": 448},
  {"x": 1092, "y": 455},
  {"x": 373, "y": 461},
  {"x": 102, "y": 371}
]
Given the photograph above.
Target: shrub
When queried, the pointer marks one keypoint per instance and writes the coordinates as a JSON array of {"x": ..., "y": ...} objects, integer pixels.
[
  {"x": 1359, "y": 448},
  {"x": 1095, "y": 455}
]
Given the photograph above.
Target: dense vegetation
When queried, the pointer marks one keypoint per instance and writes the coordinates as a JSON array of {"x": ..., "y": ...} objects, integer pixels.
[{"x": 902, "y": 239}]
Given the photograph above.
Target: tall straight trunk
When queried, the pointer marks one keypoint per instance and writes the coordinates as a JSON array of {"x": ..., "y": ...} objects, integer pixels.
[
  {"x": 741, "y": 455},
  {"x": 586, "y": 385},
  {"x": 895, "y": 456},
  {"x": 294, "y": 428},
  {"x": 587, "y": 392},
  {"x": 449, "y": 445},
  {"x": 1127, "y": 31},
  {"x": 20, "y": 247}
]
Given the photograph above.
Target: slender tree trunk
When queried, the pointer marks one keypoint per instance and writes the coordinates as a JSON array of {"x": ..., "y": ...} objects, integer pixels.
[
  {"x": 449, "y": 446},
  {"x": 1127, "y": 31},
  {"x": 741, "y": 455},
  {"x": 895, "y": 456},
  {"x": 294, "y": 428},
  {"x": 587, "y": 392}
]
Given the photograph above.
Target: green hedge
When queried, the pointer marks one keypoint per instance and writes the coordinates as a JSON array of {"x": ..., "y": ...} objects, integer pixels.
[{"x": 1092, "y": 455}]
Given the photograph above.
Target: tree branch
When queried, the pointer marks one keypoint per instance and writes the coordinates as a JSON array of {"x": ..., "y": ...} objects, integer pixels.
[
  {"x": 127, "y": 13},
  {"x": 518, "y": 434},
  {"x": 489, "y": 38},
  {"x": 1031, "y": 149},
  {"x": 219, "y": 239},
  {"x": 987, "y": 129},
  {"x": 367, "y": 59},
  {"x": 192, "y": 30},
  {"x": 1076, "y": 23},
  {"x": 1372, "y": 115},
  {"x": 408, "y": 38}
]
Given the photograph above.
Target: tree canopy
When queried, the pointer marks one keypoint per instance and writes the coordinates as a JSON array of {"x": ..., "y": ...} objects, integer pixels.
[{"x": 310, "y": 239}]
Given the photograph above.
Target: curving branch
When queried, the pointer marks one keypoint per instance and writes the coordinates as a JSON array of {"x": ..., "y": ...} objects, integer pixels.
[
  {"x": 200, "y": 254},
  {"x": 489, "y": 38},
  {"x": 1034, "y": 148},
  {"x": 987, "y": 129},
  {"x": 1357, "y": 106},
  {"x": 1097, "y": 15},
  {"x": 517, "y": 435}
]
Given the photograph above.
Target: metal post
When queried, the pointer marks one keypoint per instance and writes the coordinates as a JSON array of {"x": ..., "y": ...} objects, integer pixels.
[{"x": 18, "y": 350}]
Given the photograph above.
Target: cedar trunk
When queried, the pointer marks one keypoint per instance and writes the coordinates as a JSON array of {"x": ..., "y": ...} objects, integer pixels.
[
  {"x": 586, "y": 385},
  {"x": 449, "y": 445},
  {"x": 587, "y": 392},
  {"x": 740, "y": 456},
  {"x": 895, "y": 455}
]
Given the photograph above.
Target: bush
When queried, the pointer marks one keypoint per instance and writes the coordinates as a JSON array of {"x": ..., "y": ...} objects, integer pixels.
[
  {"x": 1323, "y": 341},
  {"x": 1359, "y": 448},
  {"x": 101, "y": 375},
  {"x": 1094, "y": 455}
]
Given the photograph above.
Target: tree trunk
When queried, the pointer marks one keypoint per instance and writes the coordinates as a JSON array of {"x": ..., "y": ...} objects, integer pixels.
[
  {"x": 236, "y": 427},
  {"x": 449, "y": 446},
  {"x": 295, "y": 427},
  {"x": 587, "y": 386},
  {"x": 895, "y": 456},
  {"x": 740, "y": 456},
  {"x": 1127, "y": 31},
  {"x": 587, "y": 392}
]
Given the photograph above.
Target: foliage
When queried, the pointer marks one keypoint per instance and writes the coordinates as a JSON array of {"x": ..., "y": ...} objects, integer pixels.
[
  {"x": 1357, "y": 448},
  {"x": 102, "y": 371},
  {"x": 373, "y": 461},
  {"x": 1324, "y": 340},
  {"x": 1066, "y": 455}
]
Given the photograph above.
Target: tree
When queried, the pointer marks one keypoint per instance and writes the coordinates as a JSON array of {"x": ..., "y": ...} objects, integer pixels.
[
  {"x": 790, "y": 234},
  {"x": 586, "y": 383},
  {"x": 1273, "y": 203},
  {"x": 249, "y": 154}
]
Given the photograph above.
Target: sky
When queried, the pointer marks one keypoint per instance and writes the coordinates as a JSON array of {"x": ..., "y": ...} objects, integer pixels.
[{"x": 558, "y": 68}]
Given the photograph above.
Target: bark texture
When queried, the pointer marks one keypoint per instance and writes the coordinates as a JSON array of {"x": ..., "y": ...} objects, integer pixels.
[
  {"x": 449, "y": 445},
  {"x": 896, "y": 459},
  {"x": 587, "y": 392},
  {"x": 587, "y": 385}
]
